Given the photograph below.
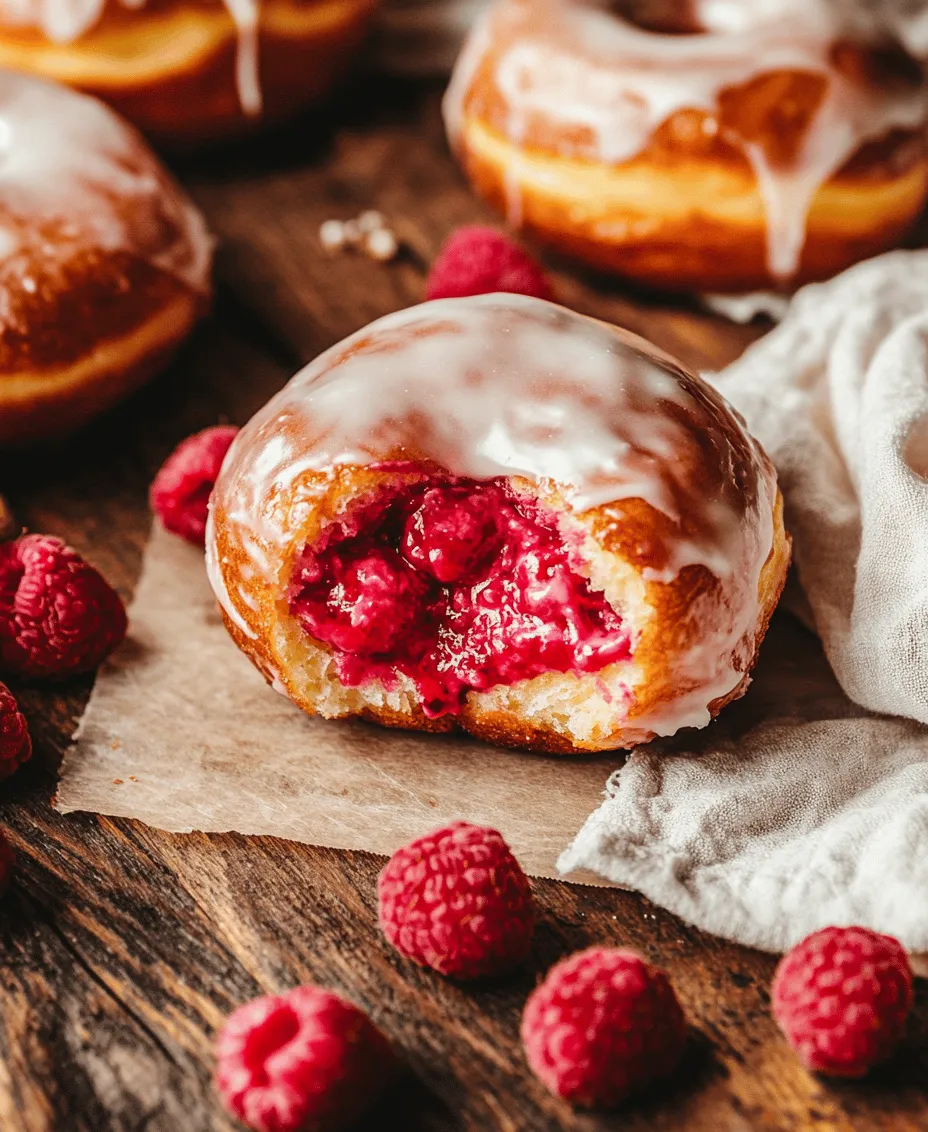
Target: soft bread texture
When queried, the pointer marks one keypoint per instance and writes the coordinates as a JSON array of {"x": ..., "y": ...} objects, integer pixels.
[
  {"x": 686, "y": 662},
  {"x": 170, "y": 66},
  {"x": 689, "y": 209},
  {"x": 105, "y": 264}
]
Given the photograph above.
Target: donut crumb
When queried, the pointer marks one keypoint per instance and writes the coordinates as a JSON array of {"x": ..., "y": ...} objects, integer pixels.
[{"x": 368, "y": 233}]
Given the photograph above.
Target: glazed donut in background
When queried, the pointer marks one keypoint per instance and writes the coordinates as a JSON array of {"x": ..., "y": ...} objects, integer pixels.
[
  {"x": 105, "y": 264},
  {"x": 718, "y": 145},
  {"x": 496, "y": 515},
  {"x": 187, "y": 70}
]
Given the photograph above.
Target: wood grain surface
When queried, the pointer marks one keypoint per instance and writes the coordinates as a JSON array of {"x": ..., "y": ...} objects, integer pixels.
[{"x": 124, "y": 947}]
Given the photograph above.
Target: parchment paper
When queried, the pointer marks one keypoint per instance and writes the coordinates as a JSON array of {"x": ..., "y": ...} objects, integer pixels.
[{"x": 182, "y": 733}]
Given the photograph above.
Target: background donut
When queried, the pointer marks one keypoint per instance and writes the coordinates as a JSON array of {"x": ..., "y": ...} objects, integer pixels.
[
  {"x": 188, "y": 70},
  {"x": 765, "y": 151},
  {"x": 105, "y": 263}
]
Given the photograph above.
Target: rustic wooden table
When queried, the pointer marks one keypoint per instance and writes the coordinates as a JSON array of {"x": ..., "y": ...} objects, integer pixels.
[{"x": 122, "y": 948}]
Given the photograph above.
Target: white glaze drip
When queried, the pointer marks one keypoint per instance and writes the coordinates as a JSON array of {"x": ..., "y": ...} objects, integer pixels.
[
  {"x": 64, "y": 21},
  {"x": 503, "y": 385},
  {"x": 67, "y": 160},
  {"x": 245, "y": 15},
  {"x": 589, "y": 72}
]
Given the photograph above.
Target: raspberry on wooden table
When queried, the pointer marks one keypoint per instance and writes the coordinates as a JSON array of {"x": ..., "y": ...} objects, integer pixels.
[
  {"x": 842, "y": 997},
  {"x": 15, "y": 743},
  {"x": 458, "y": 901},
  {"x": 304, "y": 1061},
  {"x": 58, "y": 615},
  {"x": 482, "y": 261},
  {"x": 180, "y": 491},
  {"x": 602, "y": 1025}
]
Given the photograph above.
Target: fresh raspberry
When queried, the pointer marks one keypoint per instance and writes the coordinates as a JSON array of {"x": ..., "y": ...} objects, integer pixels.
[
  {"x": 58, "y": 615},
  {"x": 841, "y": 997},
  {"x": 481, "y": 261},
  {"x": 456, "y": 900},
  {"x": 452, "y": 533},
  {"x": 7, "y": 859},
  {"x": 180, "y": 491},
  {"x": 602, "y": 1025},
  {"x": 15, "y": 744},
  {"x": 375, "y": 601},
  {"x": 304, "y": 1061}
]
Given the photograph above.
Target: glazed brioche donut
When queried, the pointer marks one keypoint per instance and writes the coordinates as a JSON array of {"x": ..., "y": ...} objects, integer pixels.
[
  {"x": 496, "y": 515},
  {"x": 188, "y": 69},
  {"x": 104, "y": 263},
  {"x": 760, "y": 145}
]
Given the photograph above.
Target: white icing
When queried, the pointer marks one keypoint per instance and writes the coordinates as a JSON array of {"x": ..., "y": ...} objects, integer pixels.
[
  {"x": 64, "y": 21},
  {"x": 745, "y": 308},
  {"x": 244, "y": 15},
  {"x": 608, "y": 85},
  {"x": 503, "y": 385},
  {"x": 67, "y": 160}
]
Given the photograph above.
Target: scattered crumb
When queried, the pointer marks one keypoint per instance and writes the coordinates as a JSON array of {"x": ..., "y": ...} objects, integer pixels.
[
  {"x": 381, "y": 244},
  {"x": 115, "y": 745},
  {"x": 371, "y": 221},
  {"x": 117, "y": 782},
  {"x": 368, "y": 233},
  {"x": 332, "y": 235},
  {"x": 132, "y": 778}
]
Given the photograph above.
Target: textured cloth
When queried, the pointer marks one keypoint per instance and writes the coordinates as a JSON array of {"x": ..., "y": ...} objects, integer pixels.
[{"x": 803, "y": 808}]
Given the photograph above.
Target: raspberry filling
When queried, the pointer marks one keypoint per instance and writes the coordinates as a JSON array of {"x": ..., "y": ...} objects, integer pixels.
[{"x": 457, "y": 584}]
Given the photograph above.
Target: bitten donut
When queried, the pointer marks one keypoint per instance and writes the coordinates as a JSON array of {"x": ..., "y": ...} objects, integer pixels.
[
  {"x": 496, "y": 515},
  {"x": 719, "y": 145},
  {"x": 104, "y": 263},
  {"x": 186, "y": 70}
]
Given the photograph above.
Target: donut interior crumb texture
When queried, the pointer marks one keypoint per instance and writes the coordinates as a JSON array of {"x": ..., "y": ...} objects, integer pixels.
[{"x": 496, "y": 515}]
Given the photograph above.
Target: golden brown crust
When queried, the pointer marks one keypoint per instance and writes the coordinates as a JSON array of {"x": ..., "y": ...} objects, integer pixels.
[
  {"x": 858, "y": 214},
  {"x": 170, "y": 66},
  {"x": 45, "y": 403},
  {"x": 105, "y": 264},
  {"x": 687, "y": 211}
]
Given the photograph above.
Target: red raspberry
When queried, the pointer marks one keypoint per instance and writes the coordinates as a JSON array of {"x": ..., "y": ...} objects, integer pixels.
[
  {"x": 481, "y": 261},
  {"x": 180, "y": 491},
  {"x": 602, "y": 1025},
  {"x": 366, "y": 604},
  {"x": 7, "y": 859},
  {"x": 58, "y": 615},
  {"x": 841, "y": 997},
  {"x": 15, "y": 744},
  {"x": 452, "y": 533},
  {"x": 456, "y": 900},
  {"x": 304, "y": 1061}
]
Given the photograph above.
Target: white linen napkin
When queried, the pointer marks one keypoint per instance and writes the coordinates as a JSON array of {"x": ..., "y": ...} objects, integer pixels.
[{"x": 819, "y": 813}]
